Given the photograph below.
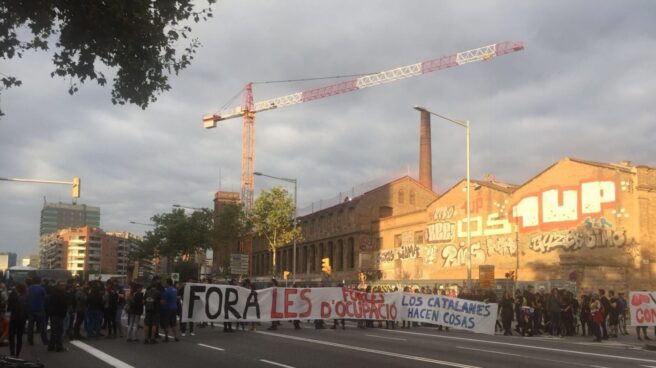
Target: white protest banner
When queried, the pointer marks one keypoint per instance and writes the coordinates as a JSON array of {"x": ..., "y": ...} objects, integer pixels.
[
  {"x": 210, "y": 303},
  {"x": 643, "y": 308},
  {"x": 217, "y": 303},
  {"x": 456, "y": 313}
]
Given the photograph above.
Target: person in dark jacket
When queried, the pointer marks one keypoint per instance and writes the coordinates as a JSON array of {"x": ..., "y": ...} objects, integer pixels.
[
  {"x": 135, "y": 310},
  {"x": 17, "y": 306},
  {"x": 57, "y": 309},
  {"x": 605, "y": 303},
  {"x": 111, "y": 304},
  {"x": 507, "y": 311},
  {"x": 80, "y": 309},
  {"x": 36, "y": 300}
]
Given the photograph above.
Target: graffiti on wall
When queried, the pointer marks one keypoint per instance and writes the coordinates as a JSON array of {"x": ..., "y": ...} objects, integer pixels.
[
  {"x": 386, "y": 256},
  {"x": 501, "y": 246},
  {"x": 444, "y": 213},
  {"x": 408, "y": 251},
  {"x": 441, "y": 232},
  {"x": 368, "y": 245},
  {"x": 457, "y": 255},
  {"x": 593, "y": 234},
  {"x": 430, "y": 253},
  {"x": 558, "y": 206}
]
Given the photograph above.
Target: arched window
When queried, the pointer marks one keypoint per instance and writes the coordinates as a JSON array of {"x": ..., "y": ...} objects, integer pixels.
[
  {"x": 401, "y": 196},
  {"x": 351, "y": 253},
  {"x": 412, "y": 197},
  {"x": 339, "y": 257}
]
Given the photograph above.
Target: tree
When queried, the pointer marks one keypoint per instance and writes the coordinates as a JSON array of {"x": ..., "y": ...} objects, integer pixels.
[
  {"x": 178, "y": 236},
  {"x": 273, "y": 219},
  {"x": 137, "y": 38},
  {"x": 232, "y": 223}
]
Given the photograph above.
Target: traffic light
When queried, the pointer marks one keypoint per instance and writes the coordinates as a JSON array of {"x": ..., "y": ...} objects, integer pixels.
[
  {"x": 285, "y": 275},
  {"x": 325, "y": 265},
  {"x": 75, "y": 189}
]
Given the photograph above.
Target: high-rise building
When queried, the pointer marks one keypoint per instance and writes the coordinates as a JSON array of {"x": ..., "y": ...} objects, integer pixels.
[
  {"x": 116, "y": 249},
  {"x": 90, "y": 250},
  {"x": 75, "y": 249},
  {"x": 7, "y": 260},
  {"x": 55, "y": 216}
]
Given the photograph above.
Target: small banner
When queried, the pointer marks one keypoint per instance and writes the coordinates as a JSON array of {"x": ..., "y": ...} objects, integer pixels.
[
  {"x": 219, "y": 303},
  {"x": 643, "y": 308}
]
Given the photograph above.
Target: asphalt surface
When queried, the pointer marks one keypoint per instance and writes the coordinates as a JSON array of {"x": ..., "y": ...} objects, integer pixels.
[{"x": 352, "y": 347}]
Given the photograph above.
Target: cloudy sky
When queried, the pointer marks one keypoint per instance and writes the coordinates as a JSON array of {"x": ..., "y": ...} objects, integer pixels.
[{"x": 583, "y": 87}]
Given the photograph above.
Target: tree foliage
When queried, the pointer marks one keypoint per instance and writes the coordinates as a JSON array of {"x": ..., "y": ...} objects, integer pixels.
[
  {"x": 273, "y": 219},
  {"x": 139, "y": 39},
  {"x": 232, "y": 223},
  {"x": 177, "y": 235}
]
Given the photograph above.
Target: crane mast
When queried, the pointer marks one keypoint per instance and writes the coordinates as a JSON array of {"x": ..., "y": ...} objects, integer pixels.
[{"x": 249, "y": 108}]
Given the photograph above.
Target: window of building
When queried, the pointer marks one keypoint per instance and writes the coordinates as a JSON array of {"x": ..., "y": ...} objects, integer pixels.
[
  {"x": 351, "y": 253},
  {"x": 398, "y": 240},
  {"x": 401, "y": 196},
  {"x": 412, "y": 197},
  {"x": 339, "y": 257},
  {"x": 419, "y": 237},
  {"x": 313, "y": 257}
]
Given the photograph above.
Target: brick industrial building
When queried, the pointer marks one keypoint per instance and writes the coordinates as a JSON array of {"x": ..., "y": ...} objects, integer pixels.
[{"x": 578, "y": 222}]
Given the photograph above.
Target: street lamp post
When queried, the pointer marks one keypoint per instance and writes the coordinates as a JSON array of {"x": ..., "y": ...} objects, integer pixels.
[
  {"x": 295, "y": 182},
  {"x": 187, "y": 207},
  {"x": 464, "y": 124}
]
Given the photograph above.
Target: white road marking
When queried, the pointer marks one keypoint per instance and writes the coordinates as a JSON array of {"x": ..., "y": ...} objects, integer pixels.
[
  {"x": 524, "y": 346},
  {"x": 387, "y": 338},
  {"x": 487, "y": 351},
  {"x": 275, "y": 363},
  {"x": 211, "y": 347},
  {"x": 367, "y": 350},
  {"x": 100, "y": 355},
  {"x": 597, "y": 366}
]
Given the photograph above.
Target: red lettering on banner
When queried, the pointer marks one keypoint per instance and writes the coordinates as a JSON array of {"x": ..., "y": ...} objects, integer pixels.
[
  {"x": 308, "y": 301},
  {"x": 645, "y": 315},
  {"x": 325, "y": 310},
  {"x": 274, "y": 304},
  {"x": 289, "y": 303}
]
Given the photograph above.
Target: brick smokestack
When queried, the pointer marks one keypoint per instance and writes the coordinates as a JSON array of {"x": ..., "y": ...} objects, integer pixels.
[{"x": 425, "y": 156}]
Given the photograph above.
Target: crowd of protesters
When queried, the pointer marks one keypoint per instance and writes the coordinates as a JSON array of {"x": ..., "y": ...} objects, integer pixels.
[
  {"x": 559, "y": 313},
  {"x": 93, "y": 309}
]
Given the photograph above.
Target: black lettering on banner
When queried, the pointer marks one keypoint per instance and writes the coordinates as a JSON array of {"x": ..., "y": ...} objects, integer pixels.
[
  {"x": 251, "y": 301},
  {"x": 192, "y": 297},
  {"x": 211, "y": 290},
  {"x": 229, "y": 302}
]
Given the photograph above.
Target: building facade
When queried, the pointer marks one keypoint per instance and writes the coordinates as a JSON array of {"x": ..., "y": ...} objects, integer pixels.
[
  {"x": 579, "y": 224},
  {"x": 55, "y": 216},
  {"x": 7, "y": 259},
  {"x": 346, "y": 234},
  {"x": 88, "y": 250},
  {"x": 222, "y": 250}
]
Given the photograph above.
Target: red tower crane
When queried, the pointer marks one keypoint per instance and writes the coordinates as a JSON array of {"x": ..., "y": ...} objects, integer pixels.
[{"x": 248, "y": 109}]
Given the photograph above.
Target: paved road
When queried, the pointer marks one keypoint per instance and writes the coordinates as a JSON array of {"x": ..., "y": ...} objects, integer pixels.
[{"x": 417, "y": 347}]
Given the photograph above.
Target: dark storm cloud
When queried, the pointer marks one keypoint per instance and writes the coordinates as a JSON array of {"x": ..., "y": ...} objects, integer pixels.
[{"x": 581, "y": 88}]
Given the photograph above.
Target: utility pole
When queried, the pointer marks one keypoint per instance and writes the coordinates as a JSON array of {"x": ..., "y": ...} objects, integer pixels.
[{"x": 75, "y": 184}]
